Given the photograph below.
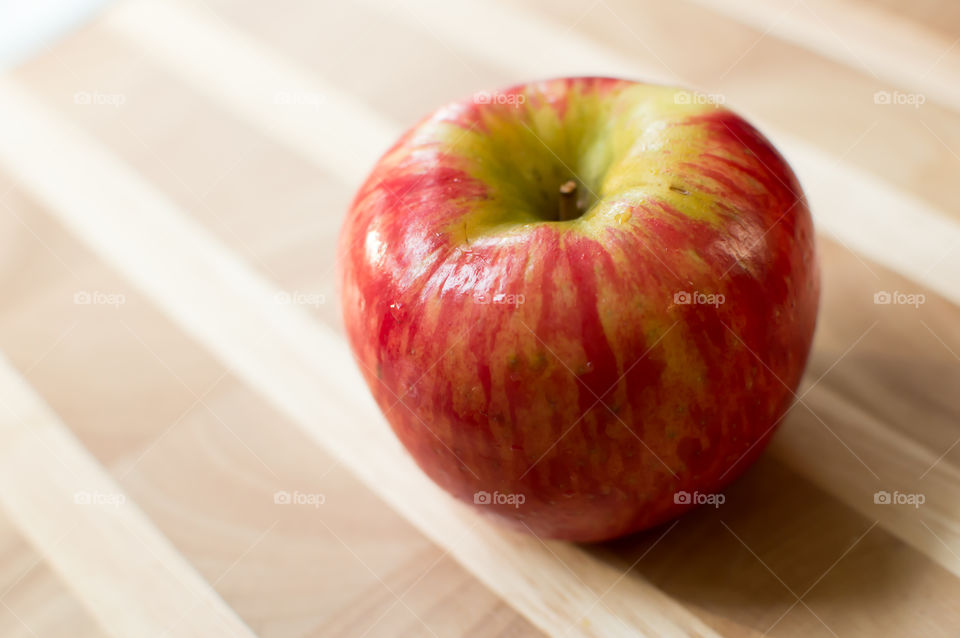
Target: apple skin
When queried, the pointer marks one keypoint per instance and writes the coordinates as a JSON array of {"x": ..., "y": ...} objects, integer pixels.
[{"x": 516, "y": 354}]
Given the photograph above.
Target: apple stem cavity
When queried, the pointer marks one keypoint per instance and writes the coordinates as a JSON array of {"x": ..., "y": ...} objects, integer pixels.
[{"x": 568, "y": 201}]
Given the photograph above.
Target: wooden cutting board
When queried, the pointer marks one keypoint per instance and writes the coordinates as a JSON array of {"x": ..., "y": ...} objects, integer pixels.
[{"x": 189, "y": 450}]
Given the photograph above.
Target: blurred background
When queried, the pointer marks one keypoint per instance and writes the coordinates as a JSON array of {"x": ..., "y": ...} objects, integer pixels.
[{"x": 187, "y": 448}]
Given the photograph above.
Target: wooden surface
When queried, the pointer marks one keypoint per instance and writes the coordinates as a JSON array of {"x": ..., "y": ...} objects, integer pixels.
[{"x": 176, "y": 359}]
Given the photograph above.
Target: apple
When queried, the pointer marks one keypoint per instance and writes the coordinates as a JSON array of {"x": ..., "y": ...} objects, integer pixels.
[{"x": 582, "y": 304}]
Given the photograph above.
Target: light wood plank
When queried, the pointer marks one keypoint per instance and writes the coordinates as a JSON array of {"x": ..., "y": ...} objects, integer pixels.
[
  {"x": 898, "y": 53},
  {"x": 256, "y": 82},
  {"x": 118, "y": 565},
  {"x": 34, "y": 602}
]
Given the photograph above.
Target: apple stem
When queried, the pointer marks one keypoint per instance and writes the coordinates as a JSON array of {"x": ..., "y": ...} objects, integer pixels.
[{"x": 568, "y": 200}]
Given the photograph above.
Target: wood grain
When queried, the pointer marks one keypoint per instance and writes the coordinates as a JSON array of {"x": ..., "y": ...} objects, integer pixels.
[
  {"x": 125, "y": 572},
  {"x": 250, "y": 191},
  {"x": 860, "y": 35}
]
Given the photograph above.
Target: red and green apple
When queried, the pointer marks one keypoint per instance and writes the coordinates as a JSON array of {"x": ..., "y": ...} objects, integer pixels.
[{"x": 579, "y": 301}]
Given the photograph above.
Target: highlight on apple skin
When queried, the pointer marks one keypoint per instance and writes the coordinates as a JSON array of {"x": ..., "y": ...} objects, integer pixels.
[{"x": 580, "y": 301}]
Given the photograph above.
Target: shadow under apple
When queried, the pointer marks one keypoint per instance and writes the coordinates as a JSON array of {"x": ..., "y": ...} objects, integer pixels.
[{"x": 776, "y": 537}]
